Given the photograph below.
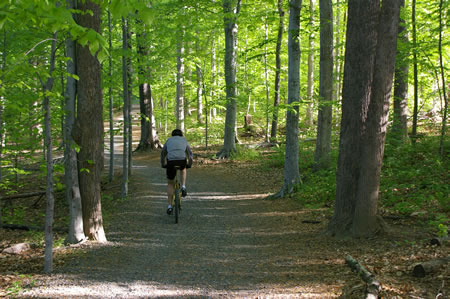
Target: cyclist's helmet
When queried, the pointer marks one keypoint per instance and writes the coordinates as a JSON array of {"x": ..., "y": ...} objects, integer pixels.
[{"x": 177, "y": 132}]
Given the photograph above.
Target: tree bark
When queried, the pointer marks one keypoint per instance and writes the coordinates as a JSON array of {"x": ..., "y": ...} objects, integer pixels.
[
  {"x": 180, "y": 81},
  {"x": 149, "y": 137},
  {"x": 368, "y": 76},
  {"x": 400, "y": 120},
  {"x": 310, "y": 86},
  {"x": 322, "y": 156},
  {"x": 291, "y": 169},
  {"x": 88, "y": 130},
  {"x": 231, "y": 9},
  {"x": 422, "y": 269},
  {"x": 444, "y": 91},
  {"x": 110, "y": 97},
  {"x": 266, "y": 78},
  {"x": 72, "y": 192},
  {"x": 212, "y": 95},
  {"x": 416, "y": 83},
  {"x": 47, "y": 87},
  {"x": 373, "y": 285},
  {"x": 276, "y": 102},
  {"x": 366, "y": 221},
  {"x": 126, "y": 113},
  {"x": 199, "y": 96}
]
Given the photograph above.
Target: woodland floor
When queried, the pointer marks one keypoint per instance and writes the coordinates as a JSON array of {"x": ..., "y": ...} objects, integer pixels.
[{"x": 230, "y": 242}]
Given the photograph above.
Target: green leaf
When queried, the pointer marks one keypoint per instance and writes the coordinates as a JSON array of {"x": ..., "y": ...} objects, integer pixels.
[{"x": 147, "y": 15}]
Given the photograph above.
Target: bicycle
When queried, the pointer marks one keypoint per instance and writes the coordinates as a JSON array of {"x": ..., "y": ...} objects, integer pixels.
[{"x": 177, "y": 194}]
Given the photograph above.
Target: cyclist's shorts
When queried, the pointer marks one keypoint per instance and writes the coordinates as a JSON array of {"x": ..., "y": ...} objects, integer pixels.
[{"x": 172, "y": 167}]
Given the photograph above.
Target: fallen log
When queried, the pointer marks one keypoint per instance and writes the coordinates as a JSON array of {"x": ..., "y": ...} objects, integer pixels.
[
  {"x": 373, "y": 287},
  {"x": 439, "y": 241},
  {"x": 24, "y": 195},
  {"x": 311, "y": 221},
  {"x": 422, "y": 269},
  {"x": 35, "y": 228}
]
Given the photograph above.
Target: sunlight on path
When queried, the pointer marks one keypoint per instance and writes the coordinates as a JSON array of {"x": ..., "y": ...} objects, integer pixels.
[{"x": 229, "y": 243}]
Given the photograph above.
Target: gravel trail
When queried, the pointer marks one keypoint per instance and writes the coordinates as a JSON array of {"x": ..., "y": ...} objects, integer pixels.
[{"x": 230, "y": 242}]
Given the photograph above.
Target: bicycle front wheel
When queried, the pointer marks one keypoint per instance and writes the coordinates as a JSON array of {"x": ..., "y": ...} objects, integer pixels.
[{"x": 177, "y": 204}]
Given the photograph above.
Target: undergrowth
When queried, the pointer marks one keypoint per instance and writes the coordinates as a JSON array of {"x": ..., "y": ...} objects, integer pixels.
[{"x": 414, "y": 180}]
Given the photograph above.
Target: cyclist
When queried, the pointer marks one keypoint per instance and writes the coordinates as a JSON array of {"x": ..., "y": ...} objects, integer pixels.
[{"x": 176, "y": 153}]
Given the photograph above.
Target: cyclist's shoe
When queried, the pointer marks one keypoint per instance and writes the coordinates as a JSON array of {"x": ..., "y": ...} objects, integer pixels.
[
  {"x": 183, "y": 192},
  {"x": 169, "y": 211}
]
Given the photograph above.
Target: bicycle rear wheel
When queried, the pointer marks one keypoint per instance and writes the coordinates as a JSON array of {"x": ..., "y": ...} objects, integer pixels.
[{"x": 177, "y": 204}]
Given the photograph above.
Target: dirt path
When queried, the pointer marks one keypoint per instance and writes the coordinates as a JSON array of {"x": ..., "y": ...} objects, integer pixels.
[{"x": 229, "y": 242}]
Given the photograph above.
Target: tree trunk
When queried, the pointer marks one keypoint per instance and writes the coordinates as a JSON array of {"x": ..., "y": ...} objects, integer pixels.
[
  {"x": 416, "y": 83},
  {"x": 126, "y": 106},
  {"x": 73, "y": 197},
  {"x": 47, "y": 87},
  {"x": 322, "y": 157},
  {"x": 199, "y": 96},
  {"x": 212, "y": 94},
  {"x": 129, "y": 99},
  {"x": 231, "y": 9},
  {"x": 291, "y": 169},
  {"x": 180, "y": 81},
  {"x": 4, "y": 49},
  {"x": 368, "y": 76},
  {"x": 310, "y": 86},
  {"x": 444, "y": 91},
  {"x": 149, "y": 137},
  {"x": 400, "y": 120},
  {"x": 276, "y": 102},
  {"x": 266, "y": 78},
  {"x": 110, "y": 97},
  {"x": 88, "y": 130}
]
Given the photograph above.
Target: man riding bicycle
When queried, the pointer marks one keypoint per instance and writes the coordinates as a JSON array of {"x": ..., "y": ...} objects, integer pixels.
[{"x": 176, "y": 154}]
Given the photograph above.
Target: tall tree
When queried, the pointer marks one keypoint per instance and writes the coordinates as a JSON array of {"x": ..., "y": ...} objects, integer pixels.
[
  {"x": 149, "y": 137},
  {"x": 4, "y": 53},
  {"x": 126, "y": 107},
  {"x": 46, "y": 88},
  {"x": 368, "y": 75},
  {"x": 73, "y": 197},
  {"x": 444, "y": 91},
  {"x": 88, "y": 129},
  {"x": 231, "y": 10},
  {"x": 180, "y": 80},
  {"x": 322, "y": 157},
  {"x": 199, "y": 94},
  {"x": 400, "y": 120},
  {"x": 310, "y": 85},
  {"x": 276, "y": 102},
  {"x": 291, "y": 169},
  {"x": 111, "y": 102},
  {"x": 416, "y": 79}
]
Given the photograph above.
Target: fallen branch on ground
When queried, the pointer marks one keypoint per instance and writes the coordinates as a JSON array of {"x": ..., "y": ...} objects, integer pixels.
[
  {"x": 373, "y": 286},
  {"x": 36, "y": 228},
  {"x": 422, "y": 269},
  {"x": 439, "y": 241},
  {"x": 24, "y": 195}
]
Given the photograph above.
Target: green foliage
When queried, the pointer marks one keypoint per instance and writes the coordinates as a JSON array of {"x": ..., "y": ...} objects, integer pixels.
[
  {"x": 14, "y": 215},
  {"x": 414, "y": 178},
  {"x": 17, "y": 286},
  {"x": 245, "y": 153}
]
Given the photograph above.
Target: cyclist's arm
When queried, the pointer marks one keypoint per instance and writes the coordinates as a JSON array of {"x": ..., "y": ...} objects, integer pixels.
[
  {"x": 189, "y": 155},
  {"x": 164, "y": 156}
]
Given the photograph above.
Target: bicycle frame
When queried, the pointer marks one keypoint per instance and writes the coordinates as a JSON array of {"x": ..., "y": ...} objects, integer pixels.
[{"x": 177, "y": 194}]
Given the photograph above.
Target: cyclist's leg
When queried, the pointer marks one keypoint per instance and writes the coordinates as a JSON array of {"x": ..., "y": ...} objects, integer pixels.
[
  {"x": 171, "y": 173},
  {"x": 183, "y": 174},
  {"x": 170, "y": 191}
]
